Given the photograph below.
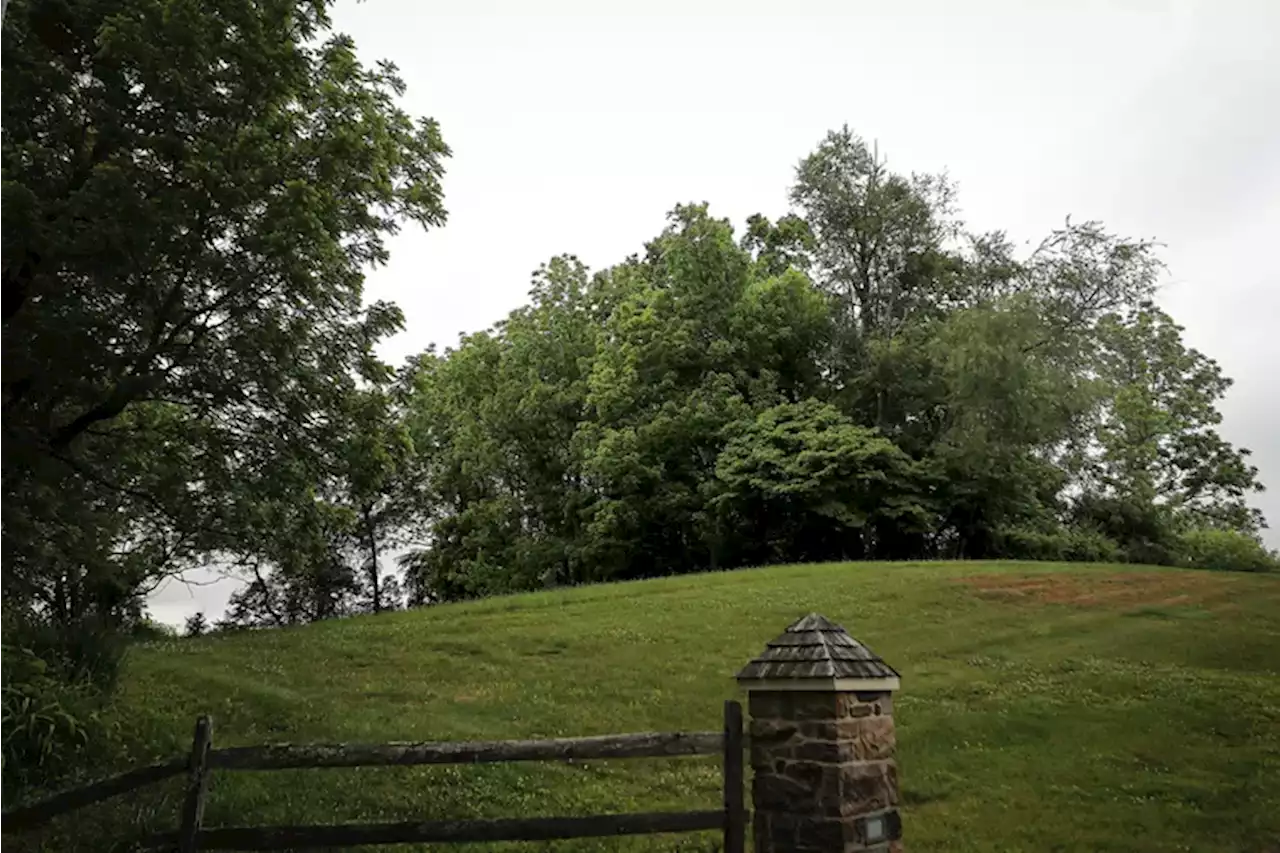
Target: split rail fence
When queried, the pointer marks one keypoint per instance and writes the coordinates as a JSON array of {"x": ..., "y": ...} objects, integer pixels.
[{"x": 192, "y": 835}]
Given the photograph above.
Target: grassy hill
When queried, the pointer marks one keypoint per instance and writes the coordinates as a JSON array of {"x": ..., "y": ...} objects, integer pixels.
[{"x": 1043, "y": 707}]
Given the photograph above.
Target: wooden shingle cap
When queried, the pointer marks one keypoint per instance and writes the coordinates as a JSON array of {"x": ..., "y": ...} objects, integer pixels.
[{"x": 814, "y": 653}]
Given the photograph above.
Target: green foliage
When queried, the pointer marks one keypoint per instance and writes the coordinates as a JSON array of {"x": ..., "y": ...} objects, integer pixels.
[
  {"x": 324, "y": 551},
  {"x": 803, "y": 481},
  {"x": 577, "y": 440},
  {"x": 1156, "y": 429},
  {"x": 90, "y": 651},
  {"x": 496, "y": 423},
  {"x": 192, "y": 194},
  {"x": 1225, "y": 550},
  {"x": 53, "y": 729},
  {"x": 859, "y": 379},
  {"x": 1062, "y": 543},
  {"x": 878, "y": 238},
  {"x": 148, "y": 630},
  {"x": 1145, "y": 533}
]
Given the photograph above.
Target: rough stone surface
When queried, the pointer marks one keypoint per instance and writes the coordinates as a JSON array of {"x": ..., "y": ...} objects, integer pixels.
[
  {"x": 816, "y": 706},
  {"x": 868, "y": 786},
  {"x": 821, "y": 761},
  {"x": 794, "y": 706},
  {"x": 829, "y": 742},
  {"x": 873, "y": 739},
  {"x": 804, "y": 832},
  {"x": 864, "y": 704}
]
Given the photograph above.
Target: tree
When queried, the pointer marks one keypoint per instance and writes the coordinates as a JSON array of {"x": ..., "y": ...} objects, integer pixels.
[
  {"x": 879, "y": 236},
  {"x": 706, "y": 338},
  {"x": 801, "y": 481},
  {"x": 192, "y": 194},
  {"x": 777, "y": 247},
  {"x": 328, "y": 520},
  {"x": 576, "y": 441},
  {"x": 378, "y": 480},
  {"x": 1156, "y": 442},
  {"x": 497, "y": 421},
  {"x": 707, "y": 404},
  {"x": 1009, "y": 402},
  {"x": 196, "y": 625}
]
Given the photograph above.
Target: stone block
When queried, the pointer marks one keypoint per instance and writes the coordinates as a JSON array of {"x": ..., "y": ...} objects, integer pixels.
[
  {"x": 830, "y": 742},
  {"x": 868, "y": 786},
  {"x": 817, "y": 778},
  {"x": 813, "y": 789},
  {"x": 773, "y": 729},
  {"x": 863, "y": 704},
  {"x": 795, "y": 833},
  {"x": 868, "y": 739},
  {"x": 766, "y": 756},
  {"x": 817, "y": 751},
  {"x": 795, "y": 705},
  {"x": 851, "y": 707},
  {"x": 774, "y": 792}
]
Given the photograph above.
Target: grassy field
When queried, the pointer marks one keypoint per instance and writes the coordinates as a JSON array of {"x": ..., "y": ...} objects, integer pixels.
[{"x": 1043, "y": 707}]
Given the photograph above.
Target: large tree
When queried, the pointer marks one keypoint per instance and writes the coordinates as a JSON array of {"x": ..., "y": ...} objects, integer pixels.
[
  {"x": 496, "y": 421},
  {"x": 879, "y": 237},
  {"x": 193, "y": 193},
  {"x": 1156, "y": 438}
]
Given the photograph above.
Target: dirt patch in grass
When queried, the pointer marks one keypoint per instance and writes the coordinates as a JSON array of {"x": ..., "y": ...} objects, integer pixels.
[{"x": 1116, "y": 590}]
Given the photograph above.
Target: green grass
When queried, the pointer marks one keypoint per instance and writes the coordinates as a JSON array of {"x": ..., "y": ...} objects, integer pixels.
[{"x": 1043, "y": 707}]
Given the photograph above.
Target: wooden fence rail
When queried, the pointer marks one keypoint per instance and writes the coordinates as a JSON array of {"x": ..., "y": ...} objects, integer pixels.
[
  {"x": 289, "y": 757},
  {"x": 204, "y": 759},
  {"x": 502, "y": 829},
  {"x": 41, "y": 812}
]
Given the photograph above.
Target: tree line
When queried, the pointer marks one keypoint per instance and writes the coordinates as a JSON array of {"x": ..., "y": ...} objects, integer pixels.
[
  {"x": 863, "y": 379},
  {"x": 193, "y": 195}
]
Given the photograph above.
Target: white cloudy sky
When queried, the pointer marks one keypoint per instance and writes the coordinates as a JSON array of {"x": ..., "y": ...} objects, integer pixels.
[{"x": 576, "y": 125}]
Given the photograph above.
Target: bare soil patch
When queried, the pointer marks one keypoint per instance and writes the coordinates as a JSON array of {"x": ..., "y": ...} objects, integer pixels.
[{"x": 1118, "y": 589}]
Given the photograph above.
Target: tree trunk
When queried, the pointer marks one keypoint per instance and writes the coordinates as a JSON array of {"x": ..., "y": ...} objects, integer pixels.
[
  {"x": 61, "y": 608},
  {"x": 373, "y": 559}
]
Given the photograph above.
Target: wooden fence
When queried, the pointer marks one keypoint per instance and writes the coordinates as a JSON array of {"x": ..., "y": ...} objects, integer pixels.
[{"x": 191, "y": 835}]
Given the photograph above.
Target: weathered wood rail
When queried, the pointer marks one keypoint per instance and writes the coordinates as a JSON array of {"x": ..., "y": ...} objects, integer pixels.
[
  {"x": 503, "y": 829},
  {"x": 191, "y": 835},
  {"x": 289, "y": 757},
  {"x": 39, "y": 813}
]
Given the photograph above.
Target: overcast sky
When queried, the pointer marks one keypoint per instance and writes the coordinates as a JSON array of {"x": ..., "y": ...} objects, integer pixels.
[{"x": 577, "y": 126}]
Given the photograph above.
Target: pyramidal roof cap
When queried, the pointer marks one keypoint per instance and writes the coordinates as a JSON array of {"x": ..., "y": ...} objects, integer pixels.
[{"x": 815, "y": 653}]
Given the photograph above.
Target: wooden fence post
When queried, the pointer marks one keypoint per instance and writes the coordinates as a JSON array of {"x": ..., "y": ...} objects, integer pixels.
[
  {"x": 735, "y": 813},
  {"x": 197, "y": 784}
]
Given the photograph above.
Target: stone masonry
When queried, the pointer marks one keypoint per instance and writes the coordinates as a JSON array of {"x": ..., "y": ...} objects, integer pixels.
[
  {"x": 821, "y": 762},
  {"x": 822, "y": 744}
]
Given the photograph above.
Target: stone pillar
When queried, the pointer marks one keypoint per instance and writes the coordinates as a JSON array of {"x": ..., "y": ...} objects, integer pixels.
[{"x": 822, "y": 744}]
